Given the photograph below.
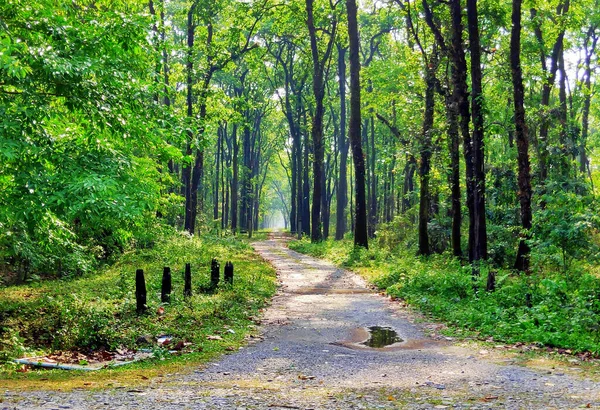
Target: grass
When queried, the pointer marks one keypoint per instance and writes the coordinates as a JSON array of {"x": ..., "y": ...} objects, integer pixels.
[
  {"x": 563, "y": 313},
  {"x": 98, "y": 311}
]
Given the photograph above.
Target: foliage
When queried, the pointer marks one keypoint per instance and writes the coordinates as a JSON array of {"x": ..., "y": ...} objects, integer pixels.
[
  {"x": 98, "y": 310},
  {"x": 76, "y": 179}
]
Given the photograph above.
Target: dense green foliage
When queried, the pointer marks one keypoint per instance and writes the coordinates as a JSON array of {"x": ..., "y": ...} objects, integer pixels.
[
  {"x": 77, "y": 177},
  {"x": 563, "y": 311},
  {"x": 99, "y": 310},
  {"x": 123, "y": 120}
]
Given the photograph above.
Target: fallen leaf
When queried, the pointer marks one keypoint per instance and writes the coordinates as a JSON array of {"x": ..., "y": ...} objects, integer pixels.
[
  {"x": 391, "y": 398},
  {"x": 303, "y": 377},
  {"x": 214, "y": 337}
]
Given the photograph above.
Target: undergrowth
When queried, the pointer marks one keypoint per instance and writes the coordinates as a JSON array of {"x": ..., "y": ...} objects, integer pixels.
[
  {"x": 563, "y": 310},
  {"x": 98, "y": 310}
]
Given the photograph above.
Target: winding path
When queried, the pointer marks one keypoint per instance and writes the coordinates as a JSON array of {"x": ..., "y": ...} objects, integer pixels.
[{"x": 309, "y": 358}]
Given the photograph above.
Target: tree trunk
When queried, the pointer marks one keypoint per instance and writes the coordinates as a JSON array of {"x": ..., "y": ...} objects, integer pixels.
[
  {"x": 343, "y": 145},
  {"x": 587, "y": 97},
  {"x": 234, "y": 181},
  {"x": 460, "y": 95},
  {"x": 187, "y": 170},
  {"x": 425, "y": 151},
  {"x": 360, "y": 231},
  {"x": 317, "y": 126},
  {"x": 479, "y": 219},
  {"x": 454, "y": 177},
  {"x": 524, "y": 179}
]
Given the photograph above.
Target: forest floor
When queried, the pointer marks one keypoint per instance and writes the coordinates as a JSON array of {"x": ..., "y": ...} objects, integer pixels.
[{"x": 310, "y": 357}]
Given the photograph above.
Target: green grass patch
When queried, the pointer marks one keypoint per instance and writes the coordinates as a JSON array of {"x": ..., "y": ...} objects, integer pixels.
[
  {"x": 563, "y": 312},
  {"x": 99, "y": 310}
]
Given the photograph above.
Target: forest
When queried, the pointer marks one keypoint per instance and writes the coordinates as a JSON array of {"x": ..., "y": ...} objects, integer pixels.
[{"x": 451, "y": 146}]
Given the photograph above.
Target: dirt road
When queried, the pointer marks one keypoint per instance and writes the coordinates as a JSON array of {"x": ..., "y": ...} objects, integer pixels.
[{"x": 310, "y": 357}]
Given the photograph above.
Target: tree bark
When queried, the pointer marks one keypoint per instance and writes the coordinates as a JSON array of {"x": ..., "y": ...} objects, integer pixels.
[
  {"x": 343, "y": 145},
  {"x": 521, "y": 133},
  {"x": 317, "y": 122},
  {"x": 479, "y": 218},
  {"x": 360, "y": 231},
  {"x": 425, "y": 166},
  {"x": 460, "y": 95}
]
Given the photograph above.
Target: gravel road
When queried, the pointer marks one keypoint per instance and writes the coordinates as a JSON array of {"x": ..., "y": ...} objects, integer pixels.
[{"x": 310, "y": 357}]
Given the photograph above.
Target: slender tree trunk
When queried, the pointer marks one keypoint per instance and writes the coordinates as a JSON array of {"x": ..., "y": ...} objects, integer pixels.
[
  {"x": 218, "y": 162},
  {"x": 454, "y": 177},
  {"x": 343, "y": 145},
  {"x": 424, "y": 197},
  {"x": 317, "y": 127},
  {"x": 360, "y": 231},
  {"x": 372, "y": 226},
  {"x": 234, "y": 181},
  {"x": 187, "y": 170},
  {"x": 479, "y": 230},
  {"x": 590, "y": 49},
  {"x": 460, "y": 95},
  {"x": 524, "y": 179},
  {"x": 550, "y": 77}
]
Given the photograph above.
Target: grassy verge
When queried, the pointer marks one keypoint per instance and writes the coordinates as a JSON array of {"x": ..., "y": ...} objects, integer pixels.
[
  {"x": 98, "y": 311},
  {"x": 562, "y": 311}
]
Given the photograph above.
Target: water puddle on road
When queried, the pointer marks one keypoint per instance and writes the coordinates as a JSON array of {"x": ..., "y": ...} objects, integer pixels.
[{"x": 381, "y": 336}]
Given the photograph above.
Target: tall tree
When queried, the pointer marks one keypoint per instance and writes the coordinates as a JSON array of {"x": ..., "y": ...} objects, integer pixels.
[
  {"x": 360, "y": 226},
  {"x": 524, "y": 180},
  {"x": 479, "y": 242},
  {"x": 319, "y": 67}
]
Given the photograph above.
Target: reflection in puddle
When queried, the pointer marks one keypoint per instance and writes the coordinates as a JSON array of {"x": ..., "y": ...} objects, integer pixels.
[{"x": 381, "y": 336}]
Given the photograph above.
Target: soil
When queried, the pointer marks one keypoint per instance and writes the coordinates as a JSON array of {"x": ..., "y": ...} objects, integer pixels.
[{"x": 310, "y": 356}]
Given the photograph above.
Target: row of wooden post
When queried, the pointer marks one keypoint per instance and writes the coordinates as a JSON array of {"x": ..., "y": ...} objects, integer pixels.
[{"x": 166, "y": 288}]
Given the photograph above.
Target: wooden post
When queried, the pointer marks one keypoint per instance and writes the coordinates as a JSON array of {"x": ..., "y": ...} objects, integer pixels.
[
  {"x": 140, "y": 291},
  {"x": 214, "y": 274},
  {"x": 165, "y": 292},
  {"x": 187, "y": 291},
  {"x": 228, "y": 273}
]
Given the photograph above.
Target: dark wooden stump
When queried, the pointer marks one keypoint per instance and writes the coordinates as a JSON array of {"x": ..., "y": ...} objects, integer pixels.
[
  {"x": 187, "y": 290},
  {"x": 165, "y": 291},
  {"x": 140, "y": 291},
  {"x": 228, "y": 273},
  {"x": 214, "y": 274}
]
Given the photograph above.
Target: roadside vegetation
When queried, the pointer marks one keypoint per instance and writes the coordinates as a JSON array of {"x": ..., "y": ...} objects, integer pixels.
[
  {"x": 549, "y": 307},
  {"x": 97, "y": 311}
]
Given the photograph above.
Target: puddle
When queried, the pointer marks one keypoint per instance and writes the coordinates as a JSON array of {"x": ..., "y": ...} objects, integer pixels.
[{"x": 381, "y": 336}]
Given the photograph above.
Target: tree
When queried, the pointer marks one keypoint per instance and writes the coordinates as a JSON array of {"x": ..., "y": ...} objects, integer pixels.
[
  {"x": 319, "y": 67},
  {"x": 360, "y": 226},
  {"x": 524, "y": 180}
]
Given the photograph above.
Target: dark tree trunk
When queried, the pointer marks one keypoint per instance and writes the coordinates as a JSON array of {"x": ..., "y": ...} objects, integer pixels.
[
  {"x": 317, "y": 121},
  {"x": 454, "y": 177},
  {"x": 548, "y": 83},
  {"x": 218, "y": 163},
  {"x": 343, "y": 145},
  {"x": 460, "y": 96},
  {"x": 187, "y": 170},
  {"x": 372, "y": 226},
  {"x": 306, "y": 186},
  {"x": 425, "y": 152},
  {"x": 590, "y": 49},
  {"x": 524, "y": 179},
  {"x": 234, "y": 180},
  {"x": 409, "y": 182},
  {"x": 479, "y": 229},
  {"x": 360, "y": 231}
]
